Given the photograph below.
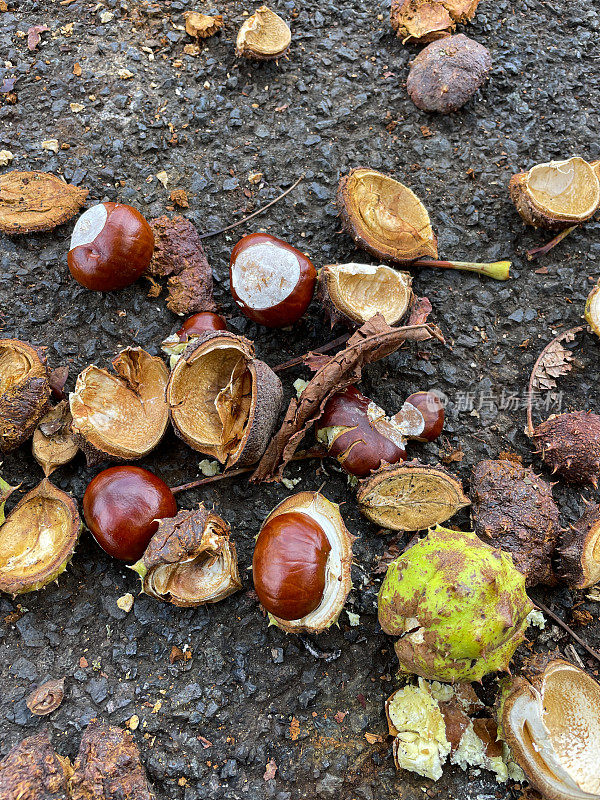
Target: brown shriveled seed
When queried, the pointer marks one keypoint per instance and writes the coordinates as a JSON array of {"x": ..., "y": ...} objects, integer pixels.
[
  {"x": 46, "y": 698},
  {"x": 446, "y": 74}
]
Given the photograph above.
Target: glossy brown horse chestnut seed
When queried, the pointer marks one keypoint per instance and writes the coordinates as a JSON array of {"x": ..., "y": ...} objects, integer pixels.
[
  {"x": 111, "y": 247},
  {"x": 432, "y": 408},
  {"x": 271, "y": 281},
  {"x": 198, "y": 323},
  {"x": 290, "y": 559},
  {"x": 358, "y": 433},
  {"x": 122, "y": 506}
]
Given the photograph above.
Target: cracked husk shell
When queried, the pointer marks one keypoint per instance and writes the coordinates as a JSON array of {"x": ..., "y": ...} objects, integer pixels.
[
  {"x": 121, "y": 417},
  {"x": 579, "y": 550},
  {"x": 410, "y": 497},
  {"x": 353, "y": 293},
  {"x": 37, "y": 539},
  {"x": 33, "y": 771},
  {"x": 223, "y": 402},
  {"x": 551, "y": 723},
  {"x": 458, "y": 606},
  {"x": 426, "y": 20},
  {"x": 24, "y": 392},
  {"x": 190, "y": 560},
  {"x": 201, "y": 25},
  {"x": 513, "y": 509},
  {"x": 264, "y": 36},
  {"x": 53, "y": 443},
  {"x": 556, "y": 195},
  {"x": 569, "y": 445},
  {"x": 384, "y": 217},
  {"x": 338, "y": 580},
  {"x": 36, "y": 201}
]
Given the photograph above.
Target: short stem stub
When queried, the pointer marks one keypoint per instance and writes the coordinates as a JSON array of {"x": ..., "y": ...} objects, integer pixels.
[
  {"x": 500, "y": 270},
  {"x": 536, "y": 252}
]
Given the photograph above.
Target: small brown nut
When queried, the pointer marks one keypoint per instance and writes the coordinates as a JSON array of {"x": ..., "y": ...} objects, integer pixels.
[{"x": 447, "y": 73}]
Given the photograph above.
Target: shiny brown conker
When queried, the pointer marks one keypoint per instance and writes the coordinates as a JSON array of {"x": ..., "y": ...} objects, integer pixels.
[
  {"x": 362, "y": 448},
  {"x": 289, "y": 565},
  {"x": 271, "y": 281},
  {"x": 111, "y": 247},
  {"x": 122, "y": 506},
  {"x": 198, "y": 323},
  {"x": 432, "y": 409}
]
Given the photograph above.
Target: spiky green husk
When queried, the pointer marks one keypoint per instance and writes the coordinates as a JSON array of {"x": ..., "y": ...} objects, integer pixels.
[{"x": 465, "y": 602}]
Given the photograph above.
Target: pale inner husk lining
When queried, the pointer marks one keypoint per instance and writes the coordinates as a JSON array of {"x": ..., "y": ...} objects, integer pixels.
[
  {"x": 368, "y": 290},
  {"x": 33, "y": 536},
  {"x": 569, "y": 188},
  {"x": 14, "y": 366}
]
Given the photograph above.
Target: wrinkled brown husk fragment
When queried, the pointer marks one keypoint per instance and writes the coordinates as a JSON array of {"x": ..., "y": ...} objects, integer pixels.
[
  {"x": 108, "y": 767},
  {"x": 53, "y": 442},
  {"x": 579, "y": 550},
  {"x": 33, "y": 771},
  {"x": 426, "y": 20},
  {"x": 569, "y": 445},
  {"x": 513, "y": 509},
  {"x": 201, "y": 25},
  {"x": 24, "y": 392},
  {"x": 373, "y": 341},
  {"x": 36, "y": 201}
]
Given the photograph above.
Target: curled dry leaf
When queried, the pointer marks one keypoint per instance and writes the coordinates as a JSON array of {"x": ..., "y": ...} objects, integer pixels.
[
  {"x": 385, "y": 217},
  {"x": 579, "y": 550},
  {"x": 37, "y": 539},
  {"x": 121, "y": 417},
  {"x": 202, "y": 25},
  {"x": 446, "y": 74},
  {"x": 264, "y": 36},
  {"x": 549, "y": 719},
  {"x": 24, "y": 391},
  {"x": 53, "y": 442},
  {"x": 410, "y": 497},
  {"x": 33, "y": 771},
  {"x": 353, "y": 293},
  {"x": 555, "y": 361},
  {"x": 373, "y": 341},
  {"x": 179, "y": 255},
  {"x": 423, "y": 21},
  {"x": 558, "y": 194},
  {"x": 46, "y": 698},
  {"x": 224, "y": 402},
  {"x": 513, "y": 509},
  {"x": 190, "y": 560},
  {"x": 36, "y": 201},
  {"x": 108, "y": 767}
]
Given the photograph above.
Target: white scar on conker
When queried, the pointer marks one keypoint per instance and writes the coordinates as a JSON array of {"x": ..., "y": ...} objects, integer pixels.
[
  {"x": 263, "y": 275},
  {"x": 89, "y": 225}
]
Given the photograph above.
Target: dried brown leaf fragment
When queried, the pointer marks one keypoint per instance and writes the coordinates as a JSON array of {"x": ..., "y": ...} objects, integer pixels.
[
  {"x": 36, "y": 201},
  {"x": 373, "y": 341}
]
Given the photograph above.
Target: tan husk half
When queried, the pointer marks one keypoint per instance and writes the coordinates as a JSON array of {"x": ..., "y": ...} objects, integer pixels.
[
  {"x": 551, "y": 723},
  {"x": 579, "y": 550},
  {"x": 592, "y": 309},
  {"x": 190, "y": 560},
  {"x": 24, "y": 392},
  {"x": 410, "y": 496},
  {"x": 53, "y": 443},
  {"x": 338, "y": 579},
  {"x": 223, "y": 402},
  {"x": 353, "y": 293},
  {"x": 556, "y": 195},
  {"x": 37, "y": 539},
  {"x": 37, "y": 201},
  {"x": 384, "y": 217},
  {"x": 121, "y": 417},
  {"x": 263, "y": 36}
]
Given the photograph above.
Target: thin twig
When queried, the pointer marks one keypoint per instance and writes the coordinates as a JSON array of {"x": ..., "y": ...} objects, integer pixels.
[
  {"x": 569, "y": 630},
  {"x": 541, "y": 356},
  {"x": 315, "y": 452},
  {"x": 254, "y": 213},
  {"x": 294, "y": 362},
  {"x": 535, "y": 252}
]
